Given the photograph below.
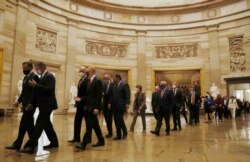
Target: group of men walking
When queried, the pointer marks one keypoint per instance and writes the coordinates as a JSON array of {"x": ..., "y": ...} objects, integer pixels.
[{"x": 94, "y": 96}]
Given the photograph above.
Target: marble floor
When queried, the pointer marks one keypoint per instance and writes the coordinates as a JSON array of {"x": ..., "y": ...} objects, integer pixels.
[{"x": 228, "y": 141}]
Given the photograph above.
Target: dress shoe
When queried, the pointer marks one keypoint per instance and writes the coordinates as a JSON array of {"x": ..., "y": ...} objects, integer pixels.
[
  {"x": 109, "y": 136},
  {"x": 98, "y": 144},
  {"x": 174, "y": 129},
  {"x": 125, "y": 136},
  {"x": 117, "y": 138},
  {"x": 144, "y": 131},
  {"x": 50, "y": 146},
  {"x": 80, "y": 146},
  {"x": 73, "y": 141},
  {"x": 155, "y": 133},
  {"x": 180, "y": 129},
  {"x": 28, "y": 150},
  {"x": 168, "y": 133},
  {"x": 12, "y": 147}
]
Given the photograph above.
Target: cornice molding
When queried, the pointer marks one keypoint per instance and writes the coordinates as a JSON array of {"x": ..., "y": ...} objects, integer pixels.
[{"x": 153, "y": 10}]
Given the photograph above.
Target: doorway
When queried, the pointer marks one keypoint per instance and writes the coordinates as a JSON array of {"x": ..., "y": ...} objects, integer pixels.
[{"x": 239, "y": 87}]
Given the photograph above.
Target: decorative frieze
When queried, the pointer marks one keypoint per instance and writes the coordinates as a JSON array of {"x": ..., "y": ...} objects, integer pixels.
[
  {"x": 176, "y": 50},
  {"x": 106, "y": 48},
  {"x": 45, "y": 40},
  {"x": 237, "y": 54}
]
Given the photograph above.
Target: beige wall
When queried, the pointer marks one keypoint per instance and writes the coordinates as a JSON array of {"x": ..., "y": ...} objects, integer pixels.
[{"x": 73, "y": 30}]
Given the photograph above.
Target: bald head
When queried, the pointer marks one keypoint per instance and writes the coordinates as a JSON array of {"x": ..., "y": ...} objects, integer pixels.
[
  {"x": 163, "y": 83},
  {"x": 157, "y": 88},
  {"x": 83, "y": 69}
]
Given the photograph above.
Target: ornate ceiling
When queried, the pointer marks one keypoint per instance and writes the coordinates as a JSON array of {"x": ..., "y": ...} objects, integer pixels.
[
  {"x": 151, "y": 3},
  {"x": 152, "y": 6}
]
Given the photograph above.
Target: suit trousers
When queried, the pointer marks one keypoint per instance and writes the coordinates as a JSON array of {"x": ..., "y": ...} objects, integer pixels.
[
  {"x": 43, "y": 123},
  {"x": 163, "y": 113},
  {"x": 108, "y": 115},
  {"x": 194, "y": 114},
  {"x": 80, "y": 113},
  {"x": 143, "y": 118},
  {"x": 176, "y": 117},
  {"x": 155, "y": 112},
  {"x": 92, "y": 123},
  {"x": 119, "y": 122},
  {"x": 26, "y": 125}
]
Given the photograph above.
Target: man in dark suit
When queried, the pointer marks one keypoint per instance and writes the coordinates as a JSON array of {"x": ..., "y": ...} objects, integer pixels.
[
  {"x": 79, "y": 104},
  {"x": 93, "y": 107},
  {"x": 154, "y": 103},
  {"x": 119, "y": 102},
  {"x": 108, "y": 113},
  {"x": 177, "y": 104},
  {"x": 194, "y": 101},
  {"x": 165, "y": 105},
  {"x": 45, "y": 100},
  {"x": 26, "y": 96}
]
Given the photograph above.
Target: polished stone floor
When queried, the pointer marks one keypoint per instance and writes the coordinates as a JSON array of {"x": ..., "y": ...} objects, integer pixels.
[{"x": 228, "y": 141}]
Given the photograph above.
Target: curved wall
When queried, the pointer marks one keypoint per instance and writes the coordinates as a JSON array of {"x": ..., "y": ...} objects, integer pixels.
[{"x": 64, "y": 36}]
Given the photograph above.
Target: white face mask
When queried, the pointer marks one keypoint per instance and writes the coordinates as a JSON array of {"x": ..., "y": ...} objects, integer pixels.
[
  {"x": 81, "y": 74},
  {"x": 39, "y": 72}
]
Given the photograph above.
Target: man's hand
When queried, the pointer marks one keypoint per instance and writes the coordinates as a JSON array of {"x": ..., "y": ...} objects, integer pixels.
[
  {"x": 16, "y": 104},
  {"x": 29, "y": 107},
  {"x": 77, "y": 99},
  {"x": 96, "y": 111},
  {"x": 109, "y": 106},
  {"x": 32, "y": 83}
]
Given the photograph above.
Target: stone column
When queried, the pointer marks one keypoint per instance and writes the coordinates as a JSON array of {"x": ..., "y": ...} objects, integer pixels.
[
  {"x": 70, "y": 60},
  {"x": 18, "y": 52},
  {"x": 214, "y": 59},
  {"x": 141, "y": 59}
]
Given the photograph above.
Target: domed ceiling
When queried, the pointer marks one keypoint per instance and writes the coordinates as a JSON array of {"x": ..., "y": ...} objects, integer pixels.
[
  {"x": 151, "y": 3},
  {"x": 152, "y": 6}
]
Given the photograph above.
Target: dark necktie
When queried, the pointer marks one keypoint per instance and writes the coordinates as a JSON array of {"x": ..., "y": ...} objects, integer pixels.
[
  {"x": 89, "y": 83},
  {"x": 25, "y": 79}
]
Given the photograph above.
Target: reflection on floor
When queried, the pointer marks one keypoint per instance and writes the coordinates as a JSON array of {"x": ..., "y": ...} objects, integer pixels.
[{"x": 228, "y": 141}]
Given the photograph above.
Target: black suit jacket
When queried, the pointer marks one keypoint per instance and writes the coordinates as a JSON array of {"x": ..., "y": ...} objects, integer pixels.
[
  {"x": 94, "y": 95},
  {"x": 165, "y": 102},
  {"x": 107, "y": 94},
  {"x": 120, "y": 96},
  {"x": 197, "y": 99},
  {"x": 178, "y": 100},
  {"x": 82, "y": 93},
  {"x": 154, "y": 103},
  {"x": 27, "y": 93},
  {"x": 45, "y": 97}
]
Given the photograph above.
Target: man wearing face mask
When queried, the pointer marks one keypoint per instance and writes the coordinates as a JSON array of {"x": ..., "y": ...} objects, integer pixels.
[
  {"x": 177, "y": 103},
  {"x": 80, "y": 103},
  {"x": 108, "y": 113},
  {"x": 165, "y": 104},
  {"x": 45, "y": 100},
  {"x": 93, "y": 107},
  {"x": 27, "y": 120}
]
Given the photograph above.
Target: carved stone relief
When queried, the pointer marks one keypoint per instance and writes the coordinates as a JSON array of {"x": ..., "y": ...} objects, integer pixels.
[
  {"x": 176, "y": 50},
  {"x": 106, "y": 48},
  {"x": 237, "y": 54},
  {"x": 45, "y": 40}
]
